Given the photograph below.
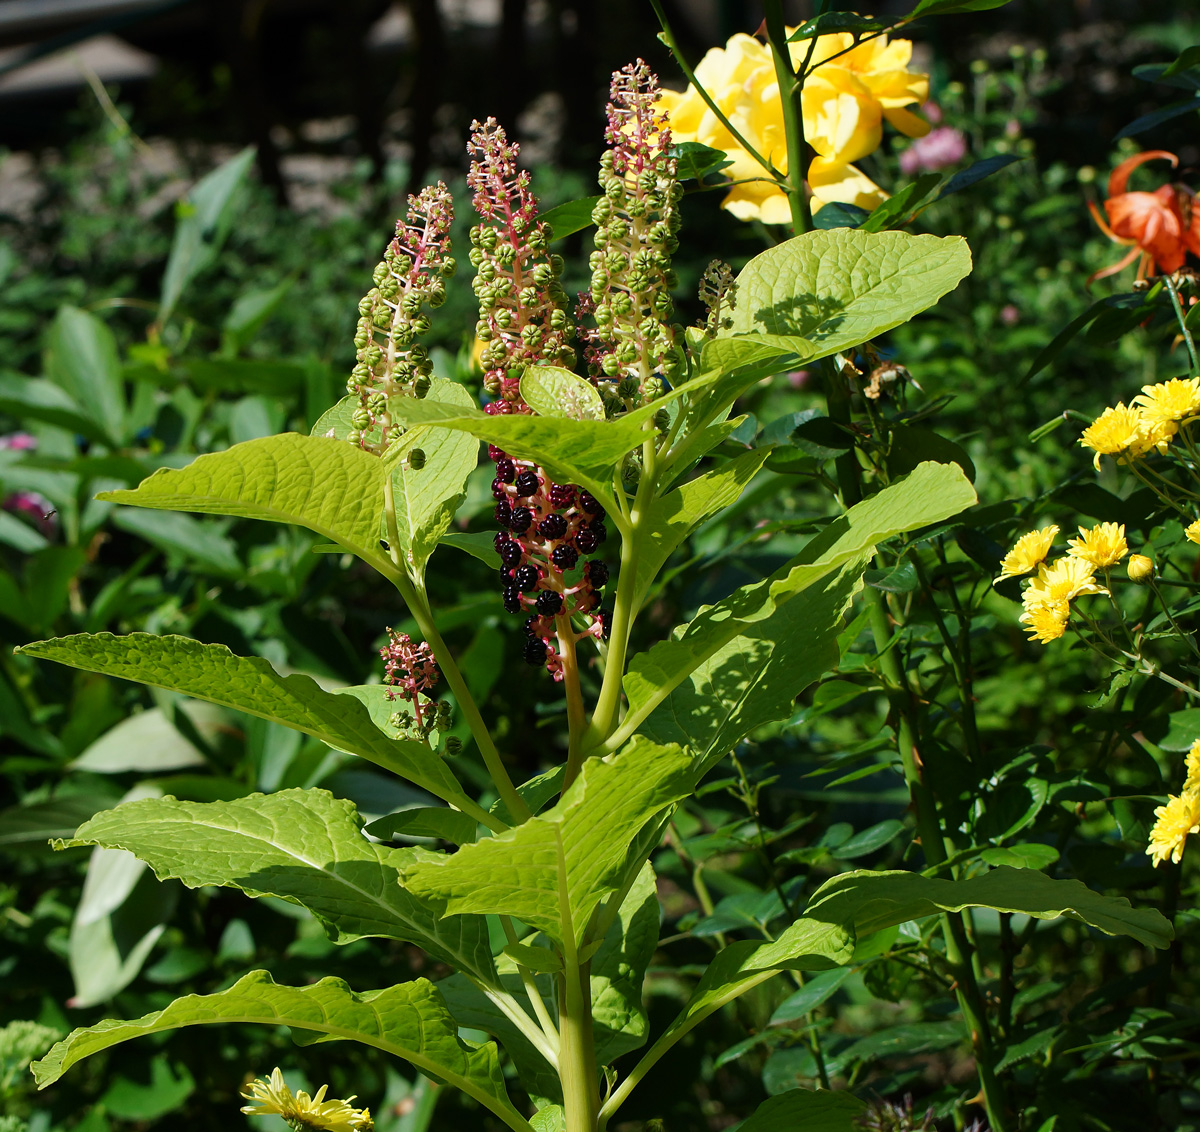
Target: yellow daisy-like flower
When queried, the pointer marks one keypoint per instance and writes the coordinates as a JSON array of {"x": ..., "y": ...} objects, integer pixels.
[
  {"x": 1192, "y": 531},
  {"x": 1114, "y": 431},
  {"x": 1028, "y": 552},
  {"x": 1192, "y": 767},
  {"x": 1046, "y": 621},
  {"x": 1153, "y": 435},
  {"x": 1174, "y": 821},
  {"x": 1103, "y": 545},
  {"x": 1169, "y": 400},
  {"x": 301, "y": 1111},
  {"x": 1061, "y": 582}
]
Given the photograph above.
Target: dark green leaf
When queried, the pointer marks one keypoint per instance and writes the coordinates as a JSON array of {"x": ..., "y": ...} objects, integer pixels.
[
  {"x": 836, "y": 215},
  {"x": 977, "y": 172},
  {"x": 914, "y": 444},
  {"x": 697, "y": 160},
  {"x": 869, "y": 840},
  {"x": 812, "y": 1111},
  {"x": 900, "y": 204},
  {"x": 952, "y": 7},
  {"x": 1158, "y": 117},
  {"x": 426, "y": 821},
  {"x": 571, "y": 217},
  {"x": 828, "y": 22},
  {"x": 816, "y": 990}
]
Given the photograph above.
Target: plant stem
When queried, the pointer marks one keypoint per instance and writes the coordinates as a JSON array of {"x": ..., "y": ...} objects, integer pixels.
[
  {"x": 604, "y": 717},
  {"x": 1183, "y": 328},
  {"x": 531, "y": 989},
  {"x": 577, "y": 1054},
  {"x": 418, "y": 605},
  {"x": 576, "y": 716},
  {"x": 793, "y": 126}
]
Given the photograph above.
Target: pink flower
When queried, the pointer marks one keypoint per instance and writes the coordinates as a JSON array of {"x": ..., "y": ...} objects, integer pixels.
[
  {"x": 18, "y": 442},
  {"x": 1010, "y": 315},
  {"x": 938, "y": 149},
  {"x": 37, "y": 507}
]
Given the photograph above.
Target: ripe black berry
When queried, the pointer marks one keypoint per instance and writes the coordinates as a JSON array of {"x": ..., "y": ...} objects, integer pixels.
[
  {"x": 535, "y": 652},
  {"x": 597, "y": 573},
  {"x": 597, "y": 527},
  {"x": 531, "y": 624},
  {"x": 510, "y": 553},
  {"x": 561, "y": 495},
  {"x": 564, "y": 556},
  {"x": 520, "y": 519},
  {"x": 526, "y": 577},
  {"x": 504, "y": 513},
  {"x": 527, "y": 484},
  {"x": 586, "y": 540},
  {"x": 506, "y": 470},
  {"x": 496, "y": 454},
  {"x": 549, "y": 603},
  {"x": 587, "y": 501},
  {"x": 552, "y": 526},
  {"x": 605, "y": 624},
  {"x": 512, "y": 599},
  {"x": 498, "y": 491}
]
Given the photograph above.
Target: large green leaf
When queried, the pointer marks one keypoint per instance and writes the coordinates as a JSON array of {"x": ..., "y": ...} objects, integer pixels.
[
  {"x": 40, "y": 399},
  {"x": 584, "y": 452},
  {"x": 305, "y": 846},
  {"x": 808, "y": 945},
  {"x": 819, "y": 293},
  {"x": 755, "y": 677},
  {"x": 81, "y": 357},
  {"x": 812, "y": 1111},
  {"x": 206, "y": 216},
  {"x": 872, "y": 901},
  {"x": 931, "y": 493},
  {"x": 250, "y": 684},
  {"x": 409, "y": 1020},
  {"x": 552, "y": 871},
  {"x": 324, "y": 484},
  {"x": 673, "y": 516},
  {"x": 427, "y": 498},
  {"x": 950, "y": 7}
]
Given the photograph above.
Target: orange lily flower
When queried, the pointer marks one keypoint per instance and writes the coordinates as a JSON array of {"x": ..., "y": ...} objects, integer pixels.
[{"x": 1163, "y": 226}]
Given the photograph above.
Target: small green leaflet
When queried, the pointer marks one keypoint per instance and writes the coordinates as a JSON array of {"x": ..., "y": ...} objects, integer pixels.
[
  {"x": 551, "y": 391},
  {"x": 409, "y": 1020},
  {"x": 552, "y": 871}
]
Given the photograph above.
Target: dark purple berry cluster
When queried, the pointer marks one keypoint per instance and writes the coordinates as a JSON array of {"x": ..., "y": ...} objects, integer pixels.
[{"x": 546, "y": 531}]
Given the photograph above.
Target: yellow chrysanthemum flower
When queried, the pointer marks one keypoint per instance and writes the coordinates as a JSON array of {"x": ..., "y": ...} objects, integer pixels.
[
  {"x": 1114, "y": 431},
  {"x": 1169, "y": 400},
  {"x": 1192, "y": 767},
  {"x": 843, "y": 104},
  {"x": 301, "y": 1111},
  {"x": 1104, "y": 545},
  {"x": 1192, "y": 531},
  {"x": 1046, "y": 621},
  {"x": 1153, "y": 435},
  {"x": 1174, "y": 821},
  {"x": 1028, "y": 552},
  {"x": 1060, "y": 582}
]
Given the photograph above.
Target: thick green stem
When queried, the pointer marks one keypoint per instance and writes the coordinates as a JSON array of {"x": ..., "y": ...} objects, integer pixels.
[
  {"x": 793, "y": 123},
  {"x": 576, "y": 714}
]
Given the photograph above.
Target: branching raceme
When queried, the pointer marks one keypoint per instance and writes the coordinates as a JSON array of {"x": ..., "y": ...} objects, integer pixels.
[{"x": 630, "y": 441}]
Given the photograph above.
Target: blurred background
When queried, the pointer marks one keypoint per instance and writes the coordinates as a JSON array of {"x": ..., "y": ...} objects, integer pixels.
[{"x": 193, "y": 194}]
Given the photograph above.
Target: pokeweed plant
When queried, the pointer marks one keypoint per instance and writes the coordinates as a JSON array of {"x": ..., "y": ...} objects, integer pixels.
[{"x": 545, "y": 908}]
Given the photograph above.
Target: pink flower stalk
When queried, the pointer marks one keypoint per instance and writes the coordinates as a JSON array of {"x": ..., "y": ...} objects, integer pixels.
[
  {"x": 391, "y": 362},
  {"x": 938, "y": 149},
  {"x": 412, "y": 669},
  {"x": 634, "y": 345},
  {"x": 521, "y": 315},
  {"x": 547, "y": 529}
]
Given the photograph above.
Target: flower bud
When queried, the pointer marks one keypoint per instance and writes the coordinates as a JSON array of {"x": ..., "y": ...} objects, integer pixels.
[{"x": 1140, "y": 568}]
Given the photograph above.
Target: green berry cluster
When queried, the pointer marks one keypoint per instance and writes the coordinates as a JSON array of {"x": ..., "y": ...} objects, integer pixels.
[{"x": 391, "y": 362}]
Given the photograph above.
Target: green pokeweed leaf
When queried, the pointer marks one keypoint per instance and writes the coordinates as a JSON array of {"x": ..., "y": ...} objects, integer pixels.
[
  {"x": 931, "y": 493},
  {"x": 581, "y": 452},
  {"x": 551, "y": 391},
  {"x": 873, "y": 901},
  {"x": 570, "y": 217},
  {"x": 82, "y": 358},
  {"x": 618, "y": 968},
  {"x": 304, "y": 846},
  {"x": 835, "y": 289},
  {"x": 40, "y": 399},
  {"x": 409, "y": 1020},
  {"x": 828, "y": 22},
  {"x": 814, "y": 1111},
  {"x": 552, "y": 871},
  {"x": 673, "y": 516},
  {"x": 897, "y": 207},
  {"x": 755, "y": 677},
  {"x": 206, "y": 216},
  {"x": 950, "y": 7},
  {"x": 250, "y": 684},
  {"x": 427, "y": 498},
  {"x": 323, "y": 484},
  {"x": 426, "y": 821}
]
